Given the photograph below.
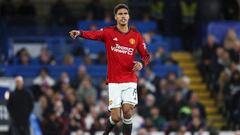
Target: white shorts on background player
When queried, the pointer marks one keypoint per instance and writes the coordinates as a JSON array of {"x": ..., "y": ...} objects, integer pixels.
[{"x": 121, "y": 93}]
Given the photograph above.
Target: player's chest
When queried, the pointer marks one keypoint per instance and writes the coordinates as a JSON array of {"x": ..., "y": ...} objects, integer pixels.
[
  {"x": 123, "y": 45},
  {"x": 125, "y": 40}
]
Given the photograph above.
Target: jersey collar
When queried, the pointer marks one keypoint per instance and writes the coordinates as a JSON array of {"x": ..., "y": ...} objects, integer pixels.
[{"x": 129, "y": 29}]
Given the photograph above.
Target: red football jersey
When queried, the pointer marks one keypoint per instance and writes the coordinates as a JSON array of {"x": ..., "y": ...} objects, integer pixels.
[{"x": 121, "y": 49}]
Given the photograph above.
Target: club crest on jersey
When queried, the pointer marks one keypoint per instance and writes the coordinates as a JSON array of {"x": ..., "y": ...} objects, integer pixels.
[{"x": 132, "y": 41}]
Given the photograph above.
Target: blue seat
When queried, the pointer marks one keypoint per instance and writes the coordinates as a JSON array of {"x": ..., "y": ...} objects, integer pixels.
[
  {"x": 33, "y": 70},
  {"x": 102, "y": 24},
  {"x": 78, "y": 60},
  {"x": 93, "y": 46},
  {"x": 163, "y": 70},
  {"x": 25, "y": 71},
  {"x": 145, "y": 26},
  {"x": 56, "y": 70},
  {"x": 56, "y": 46},
  {"x": 85, "y": 25},
  {"x": 97, "y": 70}
]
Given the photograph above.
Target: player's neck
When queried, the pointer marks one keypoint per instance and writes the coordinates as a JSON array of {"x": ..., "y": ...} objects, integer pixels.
[{"x": 123, "y": 29}]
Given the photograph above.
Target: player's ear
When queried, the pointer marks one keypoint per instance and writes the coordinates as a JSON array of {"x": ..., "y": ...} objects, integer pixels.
[{"x": 115, "y": 17}]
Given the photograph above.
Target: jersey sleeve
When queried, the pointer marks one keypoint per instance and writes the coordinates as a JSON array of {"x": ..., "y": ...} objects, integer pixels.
[
  {"x": 142, "y": 49},
  {"x": 93, "y": 35}
]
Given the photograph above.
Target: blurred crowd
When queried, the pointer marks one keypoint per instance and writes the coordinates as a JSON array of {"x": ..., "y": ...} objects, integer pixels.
[
  {"x": 220, "y": 67},
  {"x": 76, "y": 105},
  {"x": 79, "y": 104}
]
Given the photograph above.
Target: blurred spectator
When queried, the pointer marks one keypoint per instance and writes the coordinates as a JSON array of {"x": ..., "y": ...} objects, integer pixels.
[
  {"x": 60, "y": 14},
  {"x": 20, "y": 105},
  {"x": 85, "y": 90},
  {"x": 173, "y": 106},
  {"x": 101, "y": 58},
  {"x": 225, "y": 76},
  {"x": 184, "y": 84},
  {"x": 81, "y": 73},
  {"x": 188, "y": 19},
  {"x": 40, "y": 107},
  {"x": 207, "y": 58},
  {"x": 172, "y": 82},
  {"x": 70, "y": 100},
  {"x": 142, "y": 93},
  {"x": 230, "y": 9},
  {"x": 196, "y": 123},
  {"x": 222, "y": 61},
  {"x": 209, "y": 49},
  {"x": 158, "y": 121},
  {"x": 142, "y": 131},
  {"x": 232, "y": 91},
  {"x": 68, "y": 59},
  {"x": 138, "y": 120},
  {"x": 148, "y": 80},
  {"x": 64, "y": 79},
  {"x": 45, "y": 57},
  {"x": 44, "y": 79},
  {"x": 195, "y": 103},
  {"x": 51, "y": 124},
  {"x": 76, "y": 120},
  {"x": 162, "y": 93},
  {"x": 23, "y": 57},
  {"x": 149, "y": 75},
  {"x": 91, "y": 117},
  {"x": 160, "y": 55},
  {"x": 78, "y": 50},
  {"x": 96, "y": 8},
  {"x": 149, "y": 102},
  {"x": 235, "y": 53},
  {"x": 88, "y": 60},
  {"x": 231, "y": 40}
]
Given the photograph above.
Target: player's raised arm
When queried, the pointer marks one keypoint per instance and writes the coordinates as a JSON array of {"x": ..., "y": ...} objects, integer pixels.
[
  {"x": 93, "y": 35},
  {"x": 142, "y": 49}
]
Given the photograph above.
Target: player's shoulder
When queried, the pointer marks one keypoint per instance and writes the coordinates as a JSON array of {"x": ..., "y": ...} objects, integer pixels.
[
  {"x": 108, "y": 28},
  {"x": 134, "y": 29}
]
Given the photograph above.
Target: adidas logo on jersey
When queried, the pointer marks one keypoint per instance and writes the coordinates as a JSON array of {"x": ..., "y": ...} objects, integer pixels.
[{"x": 115, "y": 39}]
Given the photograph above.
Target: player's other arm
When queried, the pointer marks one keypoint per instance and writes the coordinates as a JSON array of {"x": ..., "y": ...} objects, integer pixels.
[
  {"x": 93, "y": 35},
  {"x": 142, "y": 49},
  {"x": 145, "y": 57}
]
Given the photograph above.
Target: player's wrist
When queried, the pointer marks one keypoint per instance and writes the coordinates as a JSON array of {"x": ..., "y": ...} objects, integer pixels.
[
  {"x": 79, "y": 33},
  {"x": 141, "y": 62}
]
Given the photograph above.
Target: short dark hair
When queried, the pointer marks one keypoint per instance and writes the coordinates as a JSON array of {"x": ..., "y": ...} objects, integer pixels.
[{"x": 120, "y": 6}]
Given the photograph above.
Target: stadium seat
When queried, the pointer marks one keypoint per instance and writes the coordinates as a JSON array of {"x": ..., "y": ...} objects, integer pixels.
[
  {"x": 102, "y": 24},
  {"x": 163, "y": 70},
  {"x": 85, "y": 25},
  {"x": 94, "y": 47}
]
